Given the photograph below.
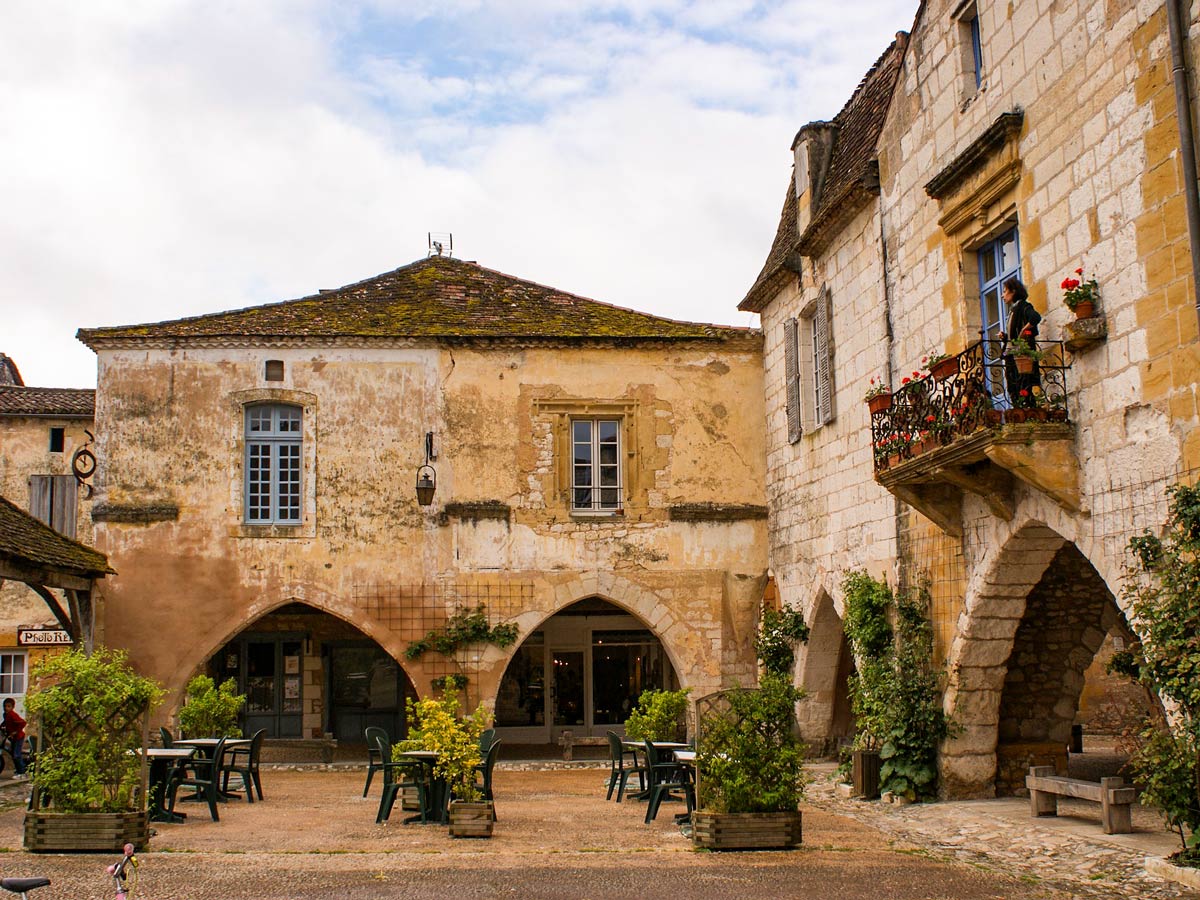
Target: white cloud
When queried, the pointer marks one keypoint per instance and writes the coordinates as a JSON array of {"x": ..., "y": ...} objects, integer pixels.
[{"x": 163, "y": 159}]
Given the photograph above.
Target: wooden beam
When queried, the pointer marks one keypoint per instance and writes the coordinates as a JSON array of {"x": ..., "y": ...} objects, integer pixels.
[
  {"x": 81, "y": 612},
  {"x": 16, "y": 570},
  {"x": 59, "y": 613}
]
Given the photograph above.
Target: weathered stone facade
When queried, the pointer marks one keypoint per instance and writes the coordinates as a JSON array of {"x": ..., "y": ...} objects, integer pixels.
[
  {"x": 1070, "y": 138},
  {"x": 685, "y": 553}
]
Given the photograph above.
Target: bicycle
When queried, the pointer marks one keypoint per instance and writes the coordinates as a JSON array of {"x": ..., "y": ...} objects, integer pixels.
[
  {"x": 124, "y": 874},
  {"x": 23, "y": 886}
]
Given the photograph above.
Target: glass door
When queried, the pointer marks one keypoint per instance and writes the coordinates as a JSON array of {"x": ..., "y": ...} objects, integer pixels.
[
  {"x": 272, "y": 673},
  {"x": 567, "y": 691},
  {"x": 365, "y": 691},
  {"x": 999, "y": 260}
]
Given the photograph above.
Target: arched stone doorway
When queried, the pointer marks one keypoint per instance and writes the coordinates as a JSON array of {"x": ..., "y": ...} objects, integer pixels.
[
  {"x": 1068, "y": 615},
  {"x": 1033, "y": 625},
  {"x": 581, "y": 670},
  {"x": 308, "y": 674},
  {"x": 824, "y": 715}
]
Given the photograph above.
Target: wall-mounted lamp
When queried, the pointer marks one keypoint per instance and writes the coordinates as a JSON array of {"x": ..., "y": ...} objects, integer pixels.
[{"x": 426, "y": 476}]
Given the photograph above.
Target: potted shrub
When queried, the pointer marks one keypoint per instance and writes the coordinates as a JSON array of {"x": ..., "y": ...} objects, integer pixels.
[
  {"x": 1080, "y": 296},
  {"x": 211, "y": 710},
  {"x": 1024, "y": 352},
  {"x": 879, "y": 396},
  {"x": 440, "y": 727},
  {"x": 88, "y": 784},
  {"x": 750, "y": 774},
  {"x": 658, "y": 716}
]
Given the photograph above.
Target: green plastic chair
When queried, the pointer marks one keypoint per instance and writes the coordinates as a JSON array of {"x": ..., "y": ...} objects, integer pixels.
[
  {"x": 373, "y": 735},
  {"x": 201, "y": 774},
  {"x": 484, "y": 769},
  {"x": 618, "y": 772},
  {"x": 665, "y": 778},
  {"x": 243, "y": 762},
  {"x": 393, "y": 785}
]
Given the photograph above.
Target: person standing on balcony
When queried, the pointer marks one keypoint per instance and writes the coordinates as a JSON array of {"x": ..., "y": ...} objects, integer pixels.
[{"x": 1023, "y": 322}]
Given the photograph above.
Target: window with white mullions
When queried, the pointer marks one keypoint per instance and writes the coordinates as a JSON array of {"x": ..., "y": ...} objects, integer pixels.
[
  {"x": 595, "y": 465},
  {"x": 273, "y": 464}
]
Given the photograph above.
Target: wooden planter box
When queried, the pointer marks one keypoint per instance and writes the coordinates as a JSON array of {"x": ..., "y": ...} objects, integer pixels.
[
  {"x": 47, "y": 832},
  {"x": 865, "y": 771},
  {"x": 746, "y": 831},
  {"x": 471, "y": 819}
]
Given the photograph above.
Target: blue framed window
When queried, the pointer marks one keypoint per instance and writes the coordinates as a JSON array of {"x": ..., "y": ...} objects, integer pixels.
[
  {"x": 274, "y": 435},
  {"x": 999, "y": 260}
]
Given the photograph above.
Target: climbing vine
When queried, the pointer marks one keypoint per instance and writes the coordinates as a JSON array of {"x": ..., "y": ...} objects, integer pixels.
[
  {"x": 896, "y": 693},
  {"x": 778, "y": 633},
  {"x": 469, "y": 627}
]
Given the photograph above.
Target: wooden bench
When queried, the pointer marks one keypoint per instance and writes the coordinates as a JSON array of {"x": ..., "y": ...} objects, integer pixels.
[
  {"x": 1113, "y": 795},
  {"x": 568, "y": 741}
]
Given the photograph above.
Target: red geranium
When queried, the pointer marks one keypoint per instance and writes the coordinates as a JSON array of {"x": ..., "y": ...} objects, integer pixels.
[{"x": 1069, "y": 284}]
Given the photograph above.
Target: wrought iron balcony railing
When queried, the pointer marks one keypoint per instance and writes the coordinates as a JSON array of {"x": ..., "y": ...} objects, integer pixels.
[{"x": 965, "y": 393}]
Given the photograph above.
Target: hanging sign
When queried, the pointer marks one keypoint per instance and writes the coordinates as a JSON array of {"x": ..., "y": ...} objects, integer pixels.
[{"x": 42, "y": 637}]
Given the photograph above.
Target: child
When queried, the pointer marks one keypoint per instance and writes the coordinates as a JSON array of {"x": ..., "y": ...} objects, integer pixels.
[{"x": 14, "y": 727}]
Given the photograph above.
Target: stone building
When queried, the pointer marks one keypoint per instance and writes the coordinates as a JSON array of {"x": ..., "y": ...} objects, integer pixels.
[
  {"x": 41, "y": 429},
  {"x": 996, "y": 140},
  {"x": 597, "y": 482}
]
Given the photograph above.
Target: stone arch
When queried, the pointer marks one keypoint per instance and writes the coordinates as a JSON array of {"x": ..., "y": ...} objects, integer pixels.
[
  {"x": 219, "y": 634},
  {"x": 1032, "y": 573},
  {"x": 627, "y": 595},
  {"x": 824, "y": 716}
]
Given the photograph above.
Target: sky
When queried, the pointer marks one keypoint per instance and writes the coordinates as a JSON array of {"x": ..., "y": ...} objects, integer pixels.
[{"x": 166, "y": 158}]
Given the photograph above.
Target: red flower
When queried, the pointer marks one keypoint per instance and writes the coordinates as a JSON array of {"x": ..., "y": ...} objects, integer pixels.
[
  {"x": 904, "y": 380},
  {"x": 1027, "y": 332},
  {"x": 1070, "y": 284},
  {"x": 1079, "y": 271},
  {"x": 931, "y": 418},
  {"x": 1024, "y": 393}
]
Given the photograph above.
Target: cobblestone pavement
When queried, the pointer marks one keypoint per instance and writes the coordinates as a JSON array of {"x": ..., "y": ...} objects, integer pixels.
[
  {"x": 315, "y": 836},
  {"x": 1069, "y": 853}
]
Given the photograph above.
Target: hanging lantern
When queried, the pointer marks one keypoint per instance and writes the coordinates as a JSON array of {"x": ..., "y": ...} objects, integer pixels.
[{"x": 426, "y": 484}]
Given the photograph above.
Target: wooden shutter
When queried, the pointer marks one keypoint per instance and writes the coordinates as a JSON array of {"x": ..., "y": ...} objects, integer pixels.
[
  {"x": 791, "y": 365},
  {"x": 824, "y": 372},
  {"x": 64, "y": 504},
  {"x": 53, "y": 499},
  {"x": 39, "y": 497}
]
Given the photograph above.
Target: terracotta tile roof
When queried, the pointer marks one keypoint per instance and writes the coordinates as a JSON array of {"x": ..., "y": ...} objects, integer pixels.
[
  {"x": 31, "y": 544},
  {"x": 850, "y": 180},
  {"x": 437, "y": 297},
  {"x": 64, "y": 403}
]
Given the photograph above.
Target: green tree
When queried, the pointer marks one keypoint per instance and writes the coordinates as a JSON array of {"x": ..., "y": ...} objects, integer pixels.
[{"x": 211, "y": 710}]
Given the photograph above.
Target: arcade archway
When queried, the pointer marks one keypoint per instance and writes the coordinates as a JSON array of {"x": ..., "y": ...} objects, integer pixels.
[{"x": 582, "y": 670}]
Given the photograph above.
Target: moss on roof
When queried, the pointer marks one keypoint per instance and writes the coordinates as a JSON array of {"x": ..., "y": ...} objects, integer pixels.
[
  {"x": 66, "y": 403},
  {"x": 437, "y": 297},
  {"x": 30, "y": 542}
]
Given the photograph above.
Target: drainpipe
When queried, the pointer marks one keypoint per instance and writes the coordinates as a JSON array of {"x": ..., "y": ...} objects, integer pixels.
[
  {"x": 890, "y": 334},
  {"x": 1187, "y": 137}
]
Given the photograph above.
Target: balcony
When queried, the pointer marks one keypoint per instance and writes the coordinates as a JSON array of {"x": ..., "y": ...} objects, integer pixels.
[{"x": 955, "y": 432}]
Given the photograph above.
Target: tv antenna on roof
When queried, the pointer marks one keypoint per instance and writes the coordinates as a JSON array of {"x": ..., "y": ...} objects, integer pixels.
[{"x": 440, "y": 244}]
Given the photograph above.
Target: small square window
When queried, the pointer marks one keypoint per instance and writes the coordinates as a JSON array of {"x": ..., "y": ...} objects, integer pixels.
[
  {"x": 57, "y": 439},
  {"x": 274, "y": 370}
]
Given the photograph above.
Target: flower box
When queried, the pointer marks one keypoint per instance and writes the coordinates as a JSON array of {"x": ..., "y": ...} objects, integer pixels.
[
  {"x": 472, "y": 819},
  {"x": 866, "y": 766},
  {"x": 746, "y": 831},
  {"x": 944, "y": 368},
  {"x": 879, "y": 403},
  {"x": 56, "y": 832}
]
